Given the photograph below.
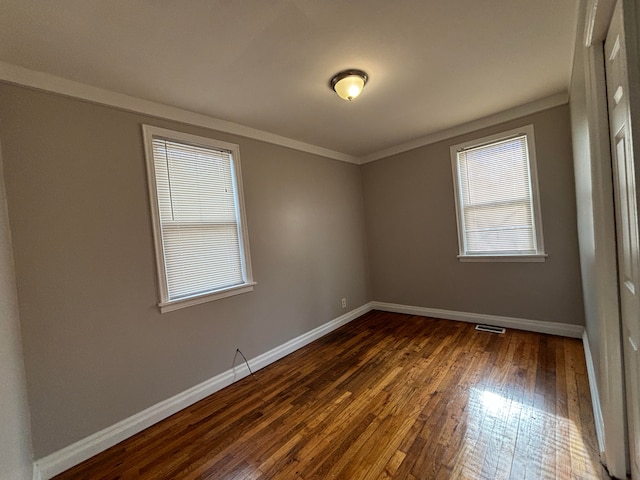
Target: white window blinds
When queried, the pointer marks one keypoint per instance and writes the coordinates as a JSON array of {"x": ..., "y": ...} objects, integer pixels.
[
  {"x": 496, "y": 207},
  {"x": 199, "y": 218}
]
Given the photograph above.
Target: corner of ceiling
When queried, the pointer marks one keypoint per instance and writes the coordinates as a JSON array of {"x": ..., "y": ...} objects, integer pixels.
[
  {"x": 468, "y": 127},
  {"x": 17, "y": 75},
  {"x": 14, "y": 74}
]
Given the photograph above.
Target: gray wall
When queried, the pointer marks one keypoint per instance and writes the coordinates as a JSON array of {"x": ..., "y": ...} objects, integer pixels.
[
  {"x": 96, "y": 348},
  {"x": 584, "y": 200},
  {"x": 411, "y": 224},
  {"x": 16, "y": 454}
]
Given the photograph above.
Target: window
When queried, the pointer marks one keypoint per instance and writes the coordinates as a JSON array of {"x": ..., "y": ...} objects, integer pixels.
[
  {"x": 496, "y": 192},
  {"x": 195, "y": 188}
]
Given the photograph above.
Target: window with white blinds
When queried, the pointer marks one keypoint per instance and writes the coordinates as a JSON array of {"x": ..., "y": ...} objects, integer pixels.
[
  {"x": 497, "y": 197},
  {"x": 198, "y": 216}
]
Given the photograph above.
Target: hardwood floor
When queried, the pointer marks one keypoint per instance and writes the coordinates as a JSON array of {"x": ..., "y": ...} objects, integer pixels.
[{"x": 388, "y": 396}]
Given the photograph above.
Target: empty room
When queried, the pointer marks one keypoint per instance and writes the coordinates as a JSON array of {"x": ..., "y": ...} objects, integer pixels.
[{"x": 319, "y": 239}]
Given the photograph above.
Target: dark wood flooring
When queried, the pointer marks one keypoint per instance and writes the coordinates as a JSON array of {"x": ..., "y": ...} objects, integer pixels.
[{"x": 387, "y": 396}]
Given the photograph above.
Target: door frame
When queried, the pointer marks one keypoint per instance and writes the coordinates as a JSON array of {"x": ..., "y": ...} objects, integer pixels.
[{"x": 611, "y": 425}]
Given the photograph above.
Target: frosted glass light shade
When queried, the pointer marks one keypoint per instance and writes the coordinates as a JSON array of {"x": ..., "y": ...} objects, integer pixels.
[{"x": 349, "y": 84}]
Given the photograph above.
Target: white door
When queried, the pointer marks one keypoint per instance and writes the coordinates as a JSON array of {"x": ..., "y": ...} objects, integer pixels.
[{"x": 626, "y": 226}]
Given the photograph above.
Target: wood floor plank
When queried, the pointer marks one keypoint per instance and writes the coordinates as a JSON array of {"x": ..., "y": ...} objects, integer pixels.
[{"x": 388, "y": 396}]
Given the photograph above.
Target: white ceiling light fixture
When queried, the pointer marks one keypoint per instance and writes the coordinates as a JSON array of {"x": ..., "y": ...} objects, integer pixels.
[{"x": 348, "y": 84}]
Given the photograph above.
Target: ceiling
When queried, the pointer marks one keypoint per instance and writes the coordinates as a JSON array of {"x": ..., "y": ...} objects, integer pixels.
[{"x": 266, "y": 64}]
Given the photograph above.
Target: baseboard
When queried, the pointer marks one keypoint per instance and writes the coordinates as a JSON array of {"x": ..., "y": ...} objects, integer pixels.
[
  {"x": 561, "y": 329},
  {"x": 595, "y": 397},
  {"x": 56, "y": 463},
  {"x": 51, "y": 465}
]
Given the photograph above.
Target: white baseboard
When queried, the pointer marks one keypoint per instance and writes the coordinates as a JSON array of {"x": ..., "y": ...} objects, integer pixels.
[
  {"x": 562, "y": 329},
  {"x": 51, "y": 465},
  {"x": 36, "y": 473},
  {"x": 595, "y": 397}
]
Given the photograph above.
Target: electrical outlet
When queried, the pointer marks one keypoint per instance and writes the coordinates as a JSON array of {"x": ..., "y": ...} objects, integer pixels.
[{"x": 344, "y": 303}]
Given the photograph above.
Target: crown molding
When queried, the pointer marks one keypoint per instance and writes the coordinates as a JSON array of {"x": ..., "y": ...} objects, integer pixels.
[
  {"x": 491, "y": 120},
  {"x": 51, "y": 83},
  {"x": 14, "y": 74}
]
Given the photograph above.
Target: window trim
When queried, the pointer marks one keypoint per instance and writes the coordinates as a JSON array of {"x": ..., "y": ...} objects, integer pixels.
[
  {"x": 149, "y": 132},
  {"x": 539, "y": 255}
]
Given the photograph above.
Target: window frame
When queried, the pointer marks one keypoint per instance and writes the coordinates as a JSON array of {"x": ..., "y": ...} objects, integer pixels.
[
  {"x": 507, "y": 256},
  {"x": 149, "y": 132}
]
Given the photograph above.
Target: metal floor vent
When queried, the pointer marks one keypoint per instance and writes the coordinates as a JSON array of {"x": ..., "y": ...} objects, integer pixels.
[{"x": 490, "y": 328}]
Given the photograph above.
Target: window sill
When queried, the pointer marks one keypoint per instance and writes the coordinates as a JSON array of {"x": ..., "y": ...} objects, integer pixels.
[
  {"x": 539, "y": 257},
  {"x": 209, "y": 297}
]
